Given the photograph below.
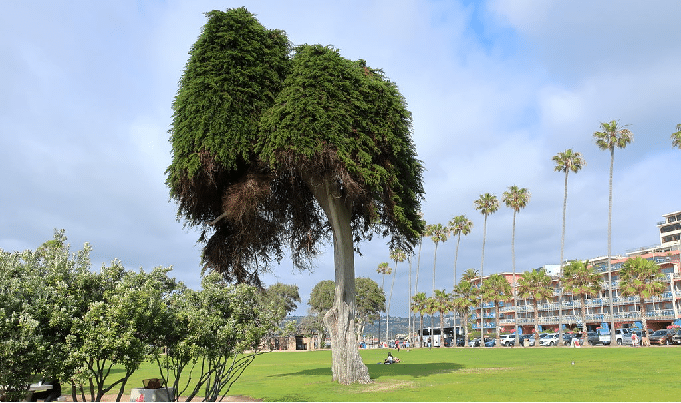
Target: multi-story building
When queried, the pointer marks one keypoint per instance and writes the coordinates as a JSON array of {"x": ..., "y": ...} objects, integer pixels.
[{"x": 660, "y": 311}]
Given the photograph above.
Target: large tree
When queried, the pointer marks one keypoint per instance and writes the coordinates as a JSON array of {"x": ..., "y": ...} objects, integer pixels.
[
  {"x": 612, "y": 136},
  {"x": 274, "y": 149},
  {"x": 643, "y": 278},
  {"x": 580, "y": 278},
  {"x": 566, "y": 161},
  {"x": 487, "y": 204},
  {"x": 515, "y": 198}
]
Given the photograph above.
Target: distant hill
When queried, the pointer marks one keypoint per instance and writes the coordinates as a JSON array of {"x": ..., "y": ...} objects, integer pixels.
[{"x": 397, "y": 325}]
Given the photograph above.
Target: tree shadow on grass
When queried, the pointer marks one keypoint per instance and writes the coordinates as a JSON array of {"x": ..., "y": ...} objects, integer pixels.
[{"x": 377, "y": 371}]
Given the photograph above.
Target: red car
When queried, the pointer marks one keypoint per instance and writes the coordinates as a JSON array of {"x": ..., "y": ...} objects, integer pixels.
[{"x": 662, "y": 336}]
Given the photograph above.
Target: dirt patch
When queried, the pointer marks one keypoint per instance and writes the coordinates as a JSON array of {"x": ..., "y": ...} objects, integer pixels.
[
  {"x": 388, "y": 386},
  {"x": 126, "y": 398},
  {"x": 480, "y": 370}
]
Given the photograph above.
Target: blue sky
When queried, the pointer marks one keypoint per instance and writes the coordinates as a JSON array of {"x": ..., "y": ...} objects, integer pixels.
[{"x": 496, "y": 89}]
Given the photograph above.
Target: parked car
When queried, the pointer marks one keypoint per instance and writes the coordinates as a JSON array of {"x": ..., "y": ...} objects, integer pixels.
[
  {"x": 474, "y": 342},
  {"x": 523, "y": 337},
  {"x": 548, "y": 339},
  {"x": 507, "y": 340},
  {"x": 621, "y": 334},
  {"x": 567, "y": 338},
  {"x": 592, "y": 338},
  {"x": 604, "y": 338},
  {"x": 626, "y": 339},
  {"x": 460, "y": 341},
  {"x": 662, "y": 336},
  {"x": 490, "y": 342},
  {"x": 676, "y": 336}
]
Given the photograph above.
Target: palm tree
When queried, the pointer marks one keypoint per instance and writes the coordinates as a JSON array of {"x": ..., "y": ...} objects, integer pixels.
[
  {"x": 382, "y": 269},
  {"x": 535, "y": 284},
  {"x": 472, "y": 275},
  {"x": 464, "y": 299},
  {"x": 459, "y": 225},
  {"x": 418, "y": 262},
  {"x": 515, "y": 198},
  {"x": 566, "y": 161},
  {"x": 676, "y": 137},
  {"x": 497, "y": 289},
  {"x": 396, "y": 255},
  {"x": 431, "y": 308},
  {"x": 612, "y": 136},
  {"x": 580, "y": 278},
  {"x": 487, "y": 204},
  {"x": 443, "y": 304},
  {"x": 418, "y": 305},
  {"x": 641, "y": 277},
  {"x": 437, "y": 233}
]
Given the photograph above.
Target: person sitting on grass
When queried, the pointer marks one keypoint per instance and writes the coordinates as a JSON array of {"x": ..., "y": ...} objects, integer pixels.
[{"x": 391, "y": 359}]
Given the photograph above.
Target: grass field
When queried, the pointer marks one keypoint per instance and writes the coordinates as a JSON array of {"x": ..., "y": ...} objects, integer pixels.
[{"x": 480, "y": 374}]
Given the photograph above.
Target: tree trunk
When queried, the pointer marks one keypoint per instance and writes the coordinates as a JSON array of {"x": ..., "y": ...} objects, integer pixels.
[
  {"x": 644, "y": 340},
  {"x": 515, "y": 302},
  {"x": 583, "y": 310},
  {"x": 347, "y": 366},
  {"x": 536, "y": 323},
  {"x": 612, "y": 317},
  {"x": 482, "y": 264},
  {"x": 560, "y": 272}
]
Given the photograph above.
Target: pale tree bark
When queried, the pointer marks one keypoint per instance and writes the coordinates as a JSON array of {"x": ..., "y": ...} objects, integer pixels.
[
  {"x": 612, "y": 316},
  {"x": 347, "y": 366}
]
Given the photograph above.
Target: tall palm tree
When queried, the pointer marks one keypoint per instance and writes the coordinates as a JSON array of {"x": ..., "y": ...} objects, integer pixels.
[
  {"x": 580, "y": 278},
  {"x": 676, "y": 137},
  {"x": 397, "y": 256},
  {"x": 465, "y": 295},
  {"x": 437, "y": 233},
  {"x": 497, "y": 289},
  {"x": 418, "y": 262},
  {"x": 459, "y": 225},
  {"x": 487, "y": 204},
  {"x": 515, "y": 198},
  {"x": 612, "y": 136},
  {"x": 566, "y": 161},
  {"x": 418, "y": 305},
  {"x": 643, "y": 278},
  {"x": 382, "y": 269},
  {"x": 535, "y": 284},
  {"x": 472, "y": 276}
]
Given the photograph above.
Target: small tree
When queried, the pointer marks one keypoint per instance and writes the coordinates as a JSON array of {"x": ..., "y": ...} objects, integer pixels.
[
  {"x": 465, "y": 295},
  {"x": 676, "y": 137},
  {"x": 442, "y": 303},
  {"x": 581, "y": 279},
  {"x": 535, "y": 284},
  {"x": 497, "y": 289},
  {"x": 419, "y": 305},
  {"x": 641, "y": 277}
]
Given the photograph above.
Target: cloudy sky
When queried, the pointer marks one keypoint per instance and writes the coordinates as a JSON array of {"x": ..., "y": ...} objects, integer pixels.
[{"x": 496, "y": 89}]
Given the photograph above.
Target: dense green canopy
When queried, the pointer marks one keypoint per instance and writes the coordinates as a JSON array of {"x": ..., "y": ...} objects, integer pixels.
[{"x": 256, "y": 126}]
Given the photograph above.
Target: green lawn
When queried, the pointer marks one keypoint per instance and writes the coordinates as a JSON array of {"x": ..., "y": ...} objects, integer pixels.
[{"x": 532, "y": 374}]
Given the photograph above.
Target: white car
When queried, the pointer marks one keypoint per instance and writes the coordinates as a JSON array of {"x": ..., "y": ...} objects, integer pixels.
[{"x": 548, "y": 339}]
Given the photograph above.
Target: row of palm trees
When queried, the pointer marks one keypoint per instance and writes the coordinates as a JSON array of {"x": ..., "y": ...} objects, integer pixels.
[
  {"x": 638, "y": 277},
  {"x": 612, "y": 135}
]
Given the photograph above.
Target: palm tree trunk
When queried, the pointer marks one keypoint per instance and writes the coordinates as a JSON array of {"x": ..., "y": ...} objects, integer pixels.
[
  {"x": 482, "y": 264},
  {"x": 456, "y": 258},
  {"x": 421, "y": 330},
  {"x": 536, "y": 323},
  {"x": 560, "y": 272},
  {"x": 387, "y": 313},
  {"x": 410, "y": 322},
  {"x": 497, "y": 342},
  {"x": 644, "y": 322},
  {"x": 612, "y": 317},
  {"x": 584, "y": 320},
  {"x": 515, "y": 302}
]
